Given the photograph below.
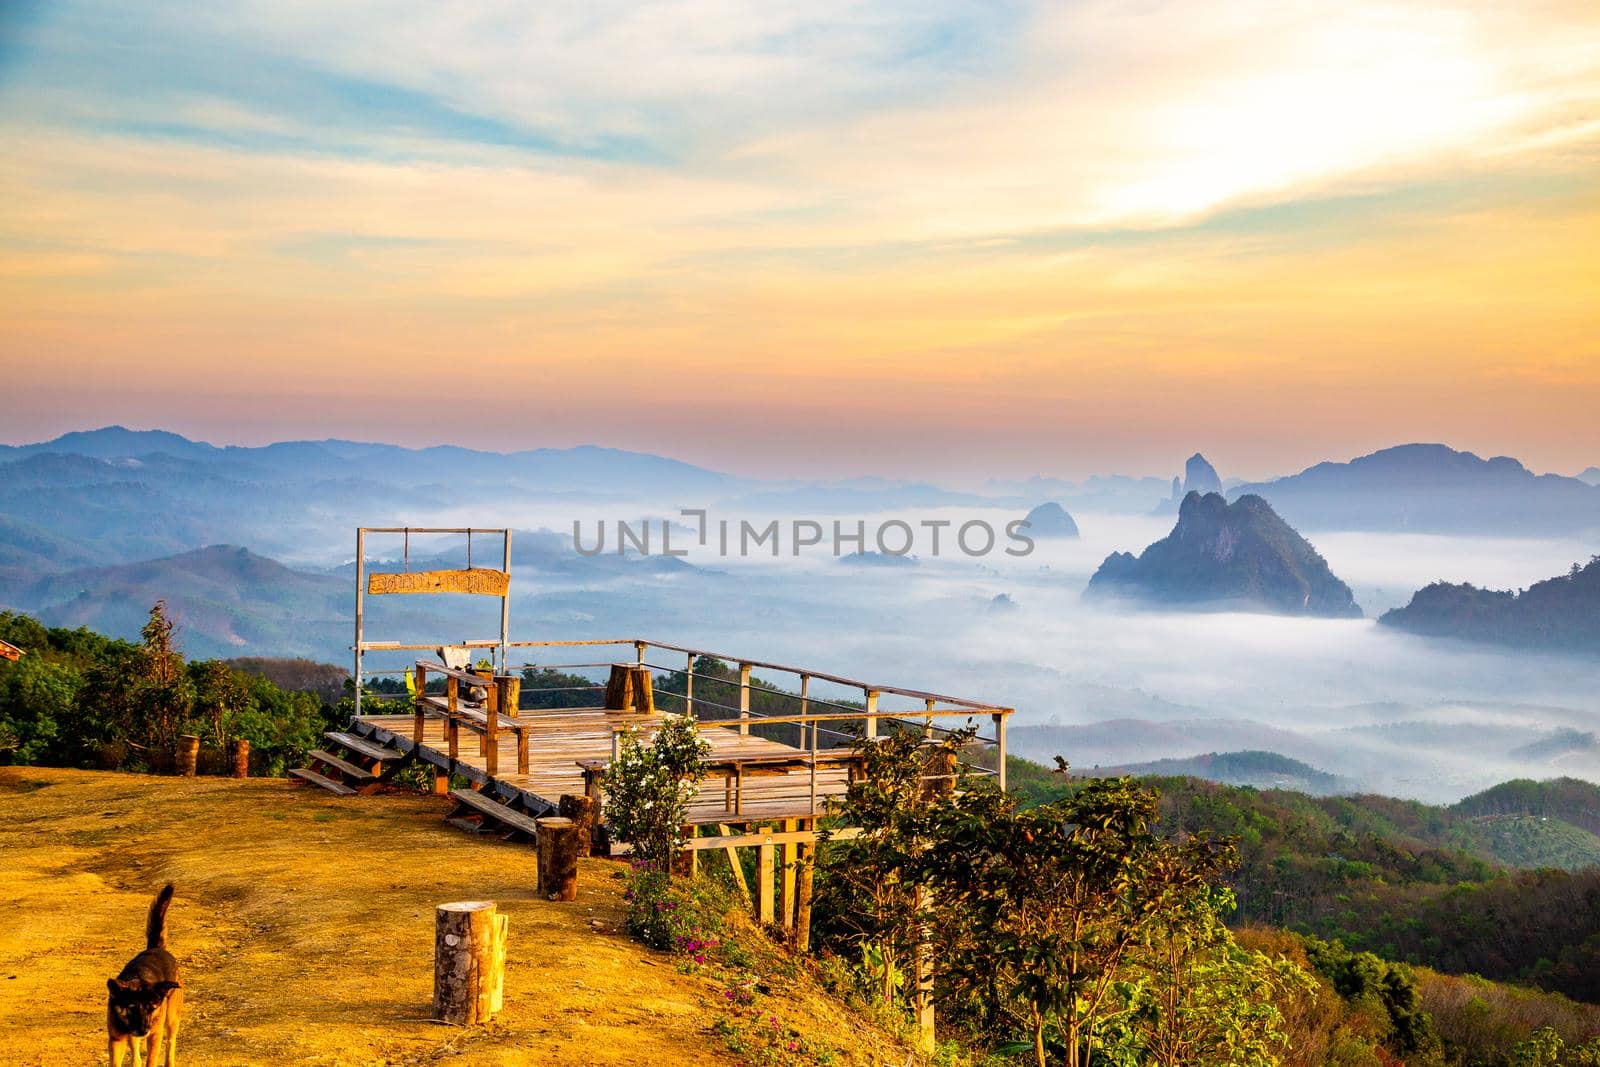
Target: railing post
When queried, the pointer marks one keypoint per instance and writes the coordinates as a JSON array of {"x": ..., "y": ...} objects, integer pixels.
[
  {"x": 638, "y": 649},
  {"x": 688, "y": 684},
  {"x": 361, "y": 566},
  {"x": 872, "y": 712},
  {"x": 744, "y": 698},
  {"x": 927, "y": 724},
  {"x": 417, "y": 726},
  {"x": 1000, "y": 744},
  {"x": 491, "y": 731},
  {"x": 803, "y": 680}
]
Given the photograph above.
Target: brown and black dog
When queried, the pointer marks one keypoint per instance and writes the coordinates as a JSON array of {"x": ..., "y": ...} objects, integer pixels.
[{"x": 147, "y": 997}]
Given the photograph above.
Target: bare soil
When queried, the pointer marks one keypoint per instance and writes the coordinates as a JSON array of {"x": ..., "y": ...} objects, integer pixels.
[{"x": 304, "y": 924}]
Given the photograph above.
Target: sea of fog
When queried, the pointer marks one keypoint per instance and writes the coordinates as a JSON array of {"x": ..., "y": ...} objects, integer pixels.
[{"x": 1390, "y": 713}]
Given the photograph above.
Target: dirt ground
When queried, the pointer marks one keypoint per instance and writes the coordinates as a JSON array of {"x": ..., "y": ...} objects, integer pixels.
[{"x": 304, "y": 924}]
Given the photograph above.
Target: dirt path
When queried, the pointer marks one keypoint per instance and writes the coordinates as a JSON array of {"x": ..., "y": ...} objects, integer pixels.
[{"x": 304, "y": 923}]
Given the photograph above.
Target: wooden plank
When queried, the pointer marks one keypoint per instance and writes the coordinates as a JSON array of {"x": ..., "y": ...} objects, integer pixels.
[
  {"x": 770, "y": 837},
  {"x": 344, "y": 767},
  {"x": 363, "y": 747},
  {"x": 738, "y": 868},
  {"x": 308, "y": 775},
  {"x": 764, "y": 903},
  {"x": 491, "y": 809},
  {"x": 786, "y": 855},
  {"x": 479, "y": 581}
]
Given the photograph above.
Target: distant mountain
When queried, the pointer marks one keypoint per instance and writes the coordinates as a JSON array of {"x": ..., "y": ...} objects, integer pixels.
[
  {"x": 1432, "y": 489},
  {"x": 1556, "y": 615},
  {"x": 1050, "y": 521},
  {"x": 227, "y": 601},
  {"x": 877, "y": 559},
  {"x": 1571, "y": 800},
  {"x": 1199, "y": 476},
  {"x": 1223, "y": 556},
  {"x": 1259, "y": 770},
  {"x": 1590, "y": 476}
]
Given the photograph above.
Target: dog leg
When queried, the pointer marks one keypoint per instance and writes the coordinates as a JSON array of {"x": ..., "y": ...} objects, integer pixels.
[{"x": 115, "y": 1049}]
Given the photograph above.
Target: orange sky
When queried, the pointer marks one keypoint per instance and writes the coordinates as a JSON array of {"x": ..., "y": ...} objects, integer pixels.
[{"x": 849, "y": 239}]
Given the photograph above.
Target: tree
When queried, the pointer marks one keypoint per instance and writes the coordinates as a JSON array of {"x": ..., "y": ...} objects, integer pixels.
[
  {"x": 218, "y": 695},
  {"x": 649, "y": 786},
  {"x": 870, "y": 883},
  {"x": 1046, "y": 904},
  {"x": 1192, "y": 996}
]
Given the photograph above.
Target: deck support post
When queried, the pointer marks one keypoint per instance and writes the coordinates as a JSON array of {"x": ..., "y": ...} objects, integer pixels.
[
  {"x": 788, "y": 853},
  {"x": 452, "y": 727},
  {"x": 923, "y": 990},
  {"x": 738, "y": 868},
  {"x": 765, "y": 887},
  {"x": 802, "y": 900}
]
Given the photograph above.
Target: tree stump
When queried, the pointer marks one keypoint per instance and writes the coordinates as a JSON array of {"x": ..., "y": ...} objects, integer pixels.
[
  {"x": 619, "y": 688},
  {"x": 558, "y": 858},
  {"x": 188, "y": 754},
  {"x": 580, "y": 809},
  {"x": 241, "y": 757},
  {"x": 469, "y": 956}
]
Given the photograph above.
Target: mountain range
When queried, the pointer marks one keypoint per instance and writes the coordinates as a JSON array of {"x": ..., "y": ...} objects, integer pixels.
[
  {"x": 1224, "y": 556},
  {"x": 1430, "y": 488}
]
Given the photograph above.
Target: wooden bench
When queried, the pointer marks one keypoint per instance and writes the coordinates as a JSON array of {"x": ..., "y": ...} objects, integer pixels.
[
  {"x": 510, "y": 823},
  {"x": 484, "y": 719}
]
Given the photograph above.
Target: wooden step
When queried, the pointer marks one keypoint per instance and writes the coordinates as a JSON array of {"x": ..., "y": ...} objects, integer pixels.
[
  {"x": 491, "y": 809},
  {"x": 362, "y": 746},
  {"x": 356, "y": 775},
  {"x": 305, "y": 774}
]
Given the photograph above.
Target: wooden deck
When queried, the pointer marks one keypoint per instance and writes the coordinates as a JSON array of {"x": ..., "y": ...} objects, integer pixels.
[{"x": 754, "y": 780}]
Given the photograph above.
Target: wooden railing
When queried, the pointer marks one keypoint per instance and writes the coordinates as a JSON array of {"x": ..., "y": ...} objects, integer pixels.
[{"x": 868, "y": 713}]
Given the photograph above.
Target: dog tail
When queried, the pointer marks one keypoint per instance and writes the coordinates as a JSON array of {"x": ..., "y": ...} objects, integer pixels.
[{"x": 155, "y": 927}]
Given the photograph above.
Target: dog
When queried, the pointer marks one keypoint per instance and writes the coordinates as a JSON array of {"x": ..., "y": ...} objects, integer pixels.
[{"x": 146, "y": 999}]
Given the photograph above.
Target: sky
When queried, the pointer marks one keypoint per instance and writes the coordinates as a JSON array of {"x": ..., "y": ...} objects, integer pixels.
[{"x": 935, "y": 239}]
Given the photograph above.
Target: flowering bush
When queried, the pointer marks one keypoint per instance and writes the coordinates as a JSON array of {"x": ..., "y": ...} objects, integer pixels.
[
  {"x": 648, "y": 789},
  {"x": 670, "y": 916}
]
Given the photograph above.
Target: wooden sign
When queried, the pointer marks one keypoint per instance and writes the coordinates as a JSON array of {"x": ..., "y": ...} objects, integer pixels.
[
  {"x": 479, "y": 580},
  {"x": 9, "y": 651}
]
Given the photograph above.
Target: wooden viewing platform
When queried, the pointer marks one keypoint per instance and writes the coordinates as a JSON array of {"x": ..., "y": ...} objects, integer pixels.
[{"x": 761, "y": 791}]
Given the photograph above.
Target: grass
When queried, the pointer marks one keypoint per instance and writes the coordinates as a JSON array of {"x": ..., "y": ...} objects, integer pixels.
[{"x": 304, "y": 924}]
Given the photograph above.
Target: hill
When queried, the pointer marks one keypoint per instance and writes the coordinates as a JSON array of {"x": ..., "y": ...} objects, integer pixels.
[
  {"x": 227, "y": 600},
  {"x": 1222, "y": 556},
  {"x": 1429, "y": 488},
  {"x": 295, "y": 906},
  {"x": 1260, "y": 770},
  {"x": 1050, "y": 520},
  {"x": 1560, "y": 614},
  {"x": 1589, "y": 475}
]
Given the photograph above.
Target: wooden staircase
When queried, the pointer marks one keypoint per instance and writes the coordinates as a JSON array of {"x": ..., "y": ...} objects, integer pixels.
[{"x": 364, "y": 766}]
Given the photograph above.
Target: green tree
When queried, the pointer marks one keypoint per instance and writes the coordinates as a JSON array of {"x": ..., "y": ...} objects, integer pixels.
[{"x": 1048, "y": 903}]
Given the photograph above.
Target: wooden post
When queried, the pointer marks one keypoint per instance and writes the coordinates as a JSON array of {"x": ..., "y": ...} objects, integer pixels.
[
  {"x": 923, "y": 979},
  {"x": 497, "y": 972},
  {"x": 872, "y": 712},
  {"x": 558, "y": 858},
  {"x": 688, "y": 684},
  {"x": 619, "y": 688},
  {"x": 451, "y": 726},
  {"x": 580, "y": 809},
  {"x": 1000, "y": 743},
  {"x": 188, "y": 754},
  {"x": 644, "y": 697},
  {"x": 765, "y": 887},
  {"x": 737, "y": 867},
  {"x": 787, "y": 854},
  {"x": 441, "y": 782},
  {"x": 491, "y": 731},
  {"x": 744, "y": 698},
  {"x": 418, "y": 719},
  {"x": 241, "y": 757},
  {"x": 465, "y": 961},
  {"x": 802, "y": 900}
]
